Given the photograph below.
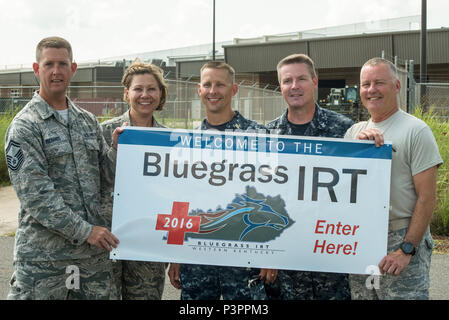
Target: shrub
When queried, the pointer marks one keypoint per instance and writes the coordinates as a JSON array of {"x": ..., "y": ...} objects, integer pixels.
[{"x": 440, "y": 129}]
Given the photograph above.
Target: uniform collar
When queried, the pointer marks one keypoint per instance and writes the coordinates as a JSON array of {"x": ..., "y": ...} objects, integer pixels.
[
  {"x": 127, "y": 118},
  {"x": 46, "y": 111},
  {"x": 231, "y": 123},
  {"x": 316, "y": 120}
]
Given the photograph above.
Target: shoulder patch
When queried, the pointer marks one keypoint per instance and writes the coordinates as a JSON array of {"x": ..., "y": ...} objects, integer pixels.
[{"x": 14, "y": 155}]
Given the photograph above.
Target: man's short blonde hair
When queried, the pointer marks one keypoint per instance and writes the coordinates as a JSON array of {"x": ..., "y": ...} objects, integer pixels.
[
  {"x": 220, "y": 65},
  {"x": 53, "y": 42}
]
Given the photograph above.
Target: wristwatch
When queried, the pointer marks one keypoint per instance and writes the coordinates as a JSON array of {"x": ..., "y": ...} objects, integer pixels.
[{"x": 408, "y": 248}]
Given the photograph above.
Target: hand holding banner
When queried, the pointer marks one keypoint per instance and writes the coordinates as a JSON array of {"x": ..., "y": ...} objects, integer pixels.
[{"x": 296, "y": 203}]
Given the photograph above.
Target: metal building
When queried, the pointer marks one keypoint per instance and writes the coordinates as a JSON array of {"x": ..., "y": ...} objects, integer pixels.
[{"x": 338, "y": 59}]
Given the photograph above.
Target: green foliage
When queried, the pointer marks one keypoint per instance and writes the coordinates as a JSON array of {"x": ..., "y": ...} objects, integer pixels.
[
  {"x": 5, "y": 120},
  {"x": 440, "y": 129}
]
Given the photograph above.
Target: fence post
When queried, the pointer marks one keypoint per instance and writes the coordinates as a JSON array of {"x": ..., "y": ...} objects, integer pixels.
[
  {"x": 263, "y": 115},
  {"x": 411, "y": 105},
  {"x": 186, "y": 98}
]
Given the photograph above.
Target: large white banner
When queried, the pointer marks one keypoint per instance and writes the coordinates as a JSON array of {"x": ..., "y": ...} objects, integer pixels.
[{"x": 251, "y": 200}]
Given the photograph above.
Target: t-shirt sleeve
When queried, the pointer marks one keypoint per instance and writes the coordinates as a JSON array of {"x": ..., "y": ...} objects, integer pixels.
[
  {"x": 424, "y": 153},
  {"x": 354, "y": 130}
]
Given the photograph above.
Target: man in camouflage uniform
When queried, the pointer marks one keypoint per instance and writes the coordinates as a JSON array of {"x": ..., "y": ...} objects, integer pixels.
[
  {"x": 55, "y": 155},
  {"x": 303, "y": 117},
  {"x": 201, "y": 282},
  {"x": 135, "y": 280},
  {"x": 414, "y": 166}
]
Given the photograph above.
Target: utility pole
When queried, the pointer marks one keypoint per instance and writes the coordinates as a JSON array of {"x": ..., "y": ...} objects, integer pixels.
[
  {"x": 213, "y": 33},
  {"x": 423, "y": 75}
]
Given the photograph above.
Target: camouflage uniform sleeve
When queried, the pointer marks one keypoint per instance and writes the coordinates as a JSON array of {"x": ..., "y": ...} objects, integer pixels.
[
  {"x": 107, "y": 188},
  {"x": 106, "y": 129},
  {"x": 35, "y": 189},
  {"x": 108, "y": 155}
]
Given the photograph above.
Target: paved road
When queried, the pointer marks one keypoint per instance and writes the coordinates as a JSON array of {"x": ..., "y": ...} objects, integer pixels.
[
  {"x": 439, "y": 274},
  {"x": 9, "y": 208}
]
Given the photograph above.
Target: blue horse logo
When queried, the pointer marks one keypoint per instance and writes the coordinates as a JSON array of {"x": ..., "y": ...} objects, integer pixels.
[{"x": 249, "y": 217}]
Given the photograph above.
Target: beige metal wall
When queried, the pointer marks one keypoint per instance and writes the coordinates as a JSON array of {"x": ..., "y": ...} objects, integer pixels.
[
  {"x": 340, "y": 52},
  {"x": 260, "y": 58},
  {"x": 347, "y": 53},
  {"x": 189, "y": 68}
]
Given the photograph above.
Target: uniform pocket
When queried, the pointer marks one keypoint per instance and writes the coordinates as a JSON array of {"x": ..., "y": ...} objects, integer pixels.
[
  {"x": 57, "y": 150},
  {"x": 19, "y": 290},
  {"x": 57, "y": 155},
  {"x": 92, "y": 151},
  {"x": 52, "y": 287},
  {"x": 425, "y": 248},
  {"x": 92, "y": 145}
]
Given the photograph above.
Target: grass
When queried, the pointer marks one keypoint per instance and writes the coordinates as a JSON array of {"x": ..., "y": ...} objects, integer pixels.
[
  {"x": 440, "y": 129},
  {"x": 9, "y": 235},
  {"x": 441, "y": 245}
]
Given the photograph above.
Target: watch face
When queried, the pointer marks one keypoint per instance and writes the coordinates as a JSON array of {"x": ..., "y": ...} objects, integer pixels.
[{"x": 407, "y": 247}]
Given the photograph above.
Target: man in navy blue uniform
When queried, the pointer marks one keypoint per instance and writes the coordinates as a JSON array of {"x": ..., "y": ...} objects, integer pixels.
[
  {"x": 298, "y": 81},
  {"x": 202, "y": 282}
]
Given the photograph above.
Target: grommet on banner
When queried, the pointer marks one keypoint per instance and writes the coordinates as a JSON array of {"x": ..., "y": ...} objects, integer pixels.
[{"x": 114, "y": 256}]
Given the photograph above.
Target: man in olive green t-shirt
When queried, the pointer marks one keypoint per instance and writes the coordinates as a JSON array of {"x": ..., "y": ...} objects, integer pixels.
[{"x": 415, "y": 161}]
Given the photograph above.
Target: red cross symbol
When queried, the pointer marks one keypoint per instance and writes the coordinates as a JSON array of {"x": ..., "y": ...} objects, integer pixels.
[{"x": 178, "y": 223}]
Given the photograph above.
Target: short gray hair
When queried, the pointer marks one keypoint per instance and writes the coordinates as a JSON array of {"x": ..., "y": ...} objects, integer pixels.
[{"x": 389, "y": 64}]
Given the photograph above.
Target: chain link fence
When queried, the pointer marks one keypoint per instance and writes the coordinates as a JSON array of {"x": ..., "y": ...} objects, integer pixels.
[
  {"x": 183, "y": 108},
  {"x": 432, "y": 96}
]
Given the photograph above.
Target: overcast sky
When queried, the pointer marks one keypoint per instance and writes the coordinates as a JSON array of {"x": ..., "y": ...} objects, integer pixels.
[{"x": 105, "y": 28}]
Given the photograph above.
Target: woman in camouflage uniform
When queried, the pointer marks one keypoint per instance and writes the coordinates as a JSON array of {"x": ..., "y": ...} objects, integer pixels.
[{"x": 145, "y": 92}]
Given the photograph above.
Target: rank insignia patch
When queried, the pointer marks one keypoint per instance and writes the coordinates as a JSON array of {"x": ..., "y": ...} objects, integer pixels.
[{"x": 14, "y": 156}]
